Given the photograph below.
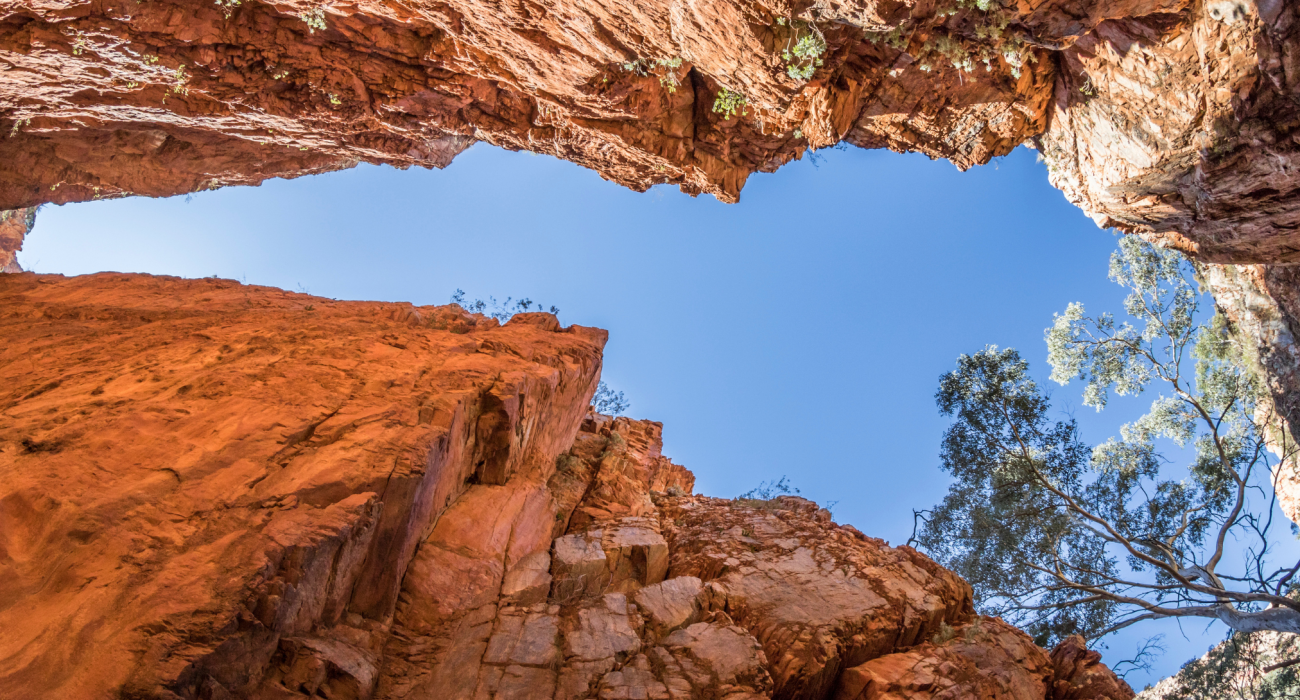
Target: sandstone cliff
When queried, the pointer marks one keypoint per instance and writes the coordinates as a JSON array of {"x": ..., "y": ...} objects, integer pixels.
[
  {"x": 210, "y": 490},
  {"x": 1169, "y": 117},
  {"x": 1175, "y": 119}
]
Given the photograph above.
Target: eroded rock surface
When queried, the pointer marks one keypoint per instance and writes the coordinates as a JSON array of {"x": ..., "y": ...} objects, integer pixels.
[
  {"x": 172, "y": 96},
  {"x": 15, "y": 224},
  {"x": 210, "y": 490},
  {"x": 1171, "y": 119},
  {"x": 1165, "y": 117},
  {"x": 198, "y": 477}
]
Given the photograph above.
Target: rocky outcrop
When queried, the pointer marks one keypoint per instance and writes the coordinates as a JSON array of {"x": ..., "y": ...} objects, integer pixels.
[
  {"x": 1173, "y": 119},
  {"x": 14, "y": 227},
  {"x": 211, "y": 490},
  {"x": 1077, "y": 673},
  {"x": 1166, "y": 117},
  {"x": 198, "y": 478},
  {"x": 1182, "y": 126}
]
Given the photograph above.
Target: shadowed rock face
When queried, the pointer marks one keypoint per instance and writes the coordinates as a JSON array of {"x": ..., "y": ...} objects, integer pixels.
[
  {"x": 211, "y": 490},
  {"x": 172, "y": 96},
  {"x": 1165, "y": 117}
]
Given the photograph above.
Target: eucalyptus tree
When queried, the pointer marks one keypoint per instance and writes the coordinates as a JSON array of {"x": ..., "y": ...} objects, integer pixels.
[{"x": 1065, "y": 538}]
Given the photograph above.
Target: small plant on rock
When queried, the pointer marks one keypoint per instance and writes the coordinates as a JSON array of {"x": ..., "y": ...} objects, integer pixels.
[
  {"x": 315, "y": 20},
  {"x": 893, "y": 38},
  {"x": 180, "y": 81},
  {"x": 667, "y": 78},
  {"x": 764, "y": 496},
  {"x": 805, "y": 56},
  {"x": 501, "y": 311},
  {"x": 228, "y": 6},
  {"x": 767, "y": 490},
  {"x": 729, "y": 103},
  {"x": 663, "y": 68}
]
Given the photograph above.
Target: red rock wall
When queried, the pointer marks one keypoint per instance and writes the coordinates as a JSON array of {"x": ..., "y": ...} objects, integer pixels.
[
  {"x": 14, "y": 227},
  {"x": 171, "y": 96},
  {"x": 211, "y": 490},
  {"x": 1164, "y": 117},
  {"x": 195, "y": 470},
  {"x": 1172, "y": 119}
]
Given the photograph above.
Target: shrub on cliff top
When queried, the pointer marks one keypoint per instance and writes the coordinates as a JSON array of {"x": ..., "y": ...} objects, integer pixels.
[
  {"x": 1062, "y": 538},
  {"x": 501, "y": 311},
  {"x": 606, "y": 400},
  {"x": 765, "y": 494}
]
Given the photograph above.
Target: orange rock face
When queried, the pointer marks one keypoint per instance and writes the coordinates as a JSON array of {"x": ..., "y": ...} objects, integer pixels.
[
  {"x": 1078, "y": 674},
  {"x": 195, "y": 471},
  {"x": 210, "y": 490},
  {"x": 172, "y": 96},
  {"x": 1167, "y": 118}
]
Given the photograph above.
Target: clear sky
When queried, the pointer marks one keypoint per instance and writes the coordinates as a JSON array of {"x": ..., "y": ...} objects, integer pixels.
[{"x": 801, "y": 332}]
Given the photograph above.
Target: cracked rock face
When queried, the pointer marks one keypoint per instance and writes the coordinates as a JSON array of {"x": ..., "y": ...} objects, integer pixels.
[
  {"x": 205, "y": 485},
  {"x": 211, "y": 490}
]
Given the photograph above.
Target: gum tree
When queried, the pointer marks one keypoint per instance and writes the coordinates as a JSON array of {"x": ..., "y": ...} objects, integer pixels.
[{"x": 1063, "y": 538}]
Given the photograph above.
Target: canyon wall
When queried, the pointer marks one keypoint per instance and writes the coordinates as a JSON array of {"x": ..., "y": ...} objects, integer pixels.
[
  {"x": 1167, "y": 117},
  {"x": 1172, "y": 119},
  {"x": 210, "y": 490}
]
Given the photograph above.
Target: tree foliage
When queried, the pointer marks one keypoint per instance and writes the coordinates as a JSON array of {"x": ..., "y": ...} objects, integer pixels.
[
  {"x": 1245, "y": 666},
  {"x": 608, "y": 401},
  {"x": 1065, "y": 538}
]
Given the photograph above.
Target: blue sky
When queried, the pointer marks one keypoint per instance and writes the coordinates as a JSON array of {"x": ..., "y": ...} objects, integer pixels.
[{"x": 800, "y": 332}]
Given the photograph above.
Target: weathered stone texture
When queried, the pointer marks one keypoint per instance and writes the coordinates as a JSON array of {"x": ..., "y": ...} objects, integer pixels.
[
  {"x": 1164, "y": 117},
  {"x": 194, "y": 471},
  {"x": 1182, "y": 127},
  {"x": 213, "y": 491},
  {"x": 171, "y": 96},
  {"x": 1171, "y": 119},
  {"x": 15, "y": 224}
]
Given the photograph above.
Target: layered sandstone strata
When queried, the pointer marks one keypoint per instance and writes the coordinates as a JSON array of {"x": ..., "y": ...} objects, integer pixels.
[{"x": 210, "y": 490}]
